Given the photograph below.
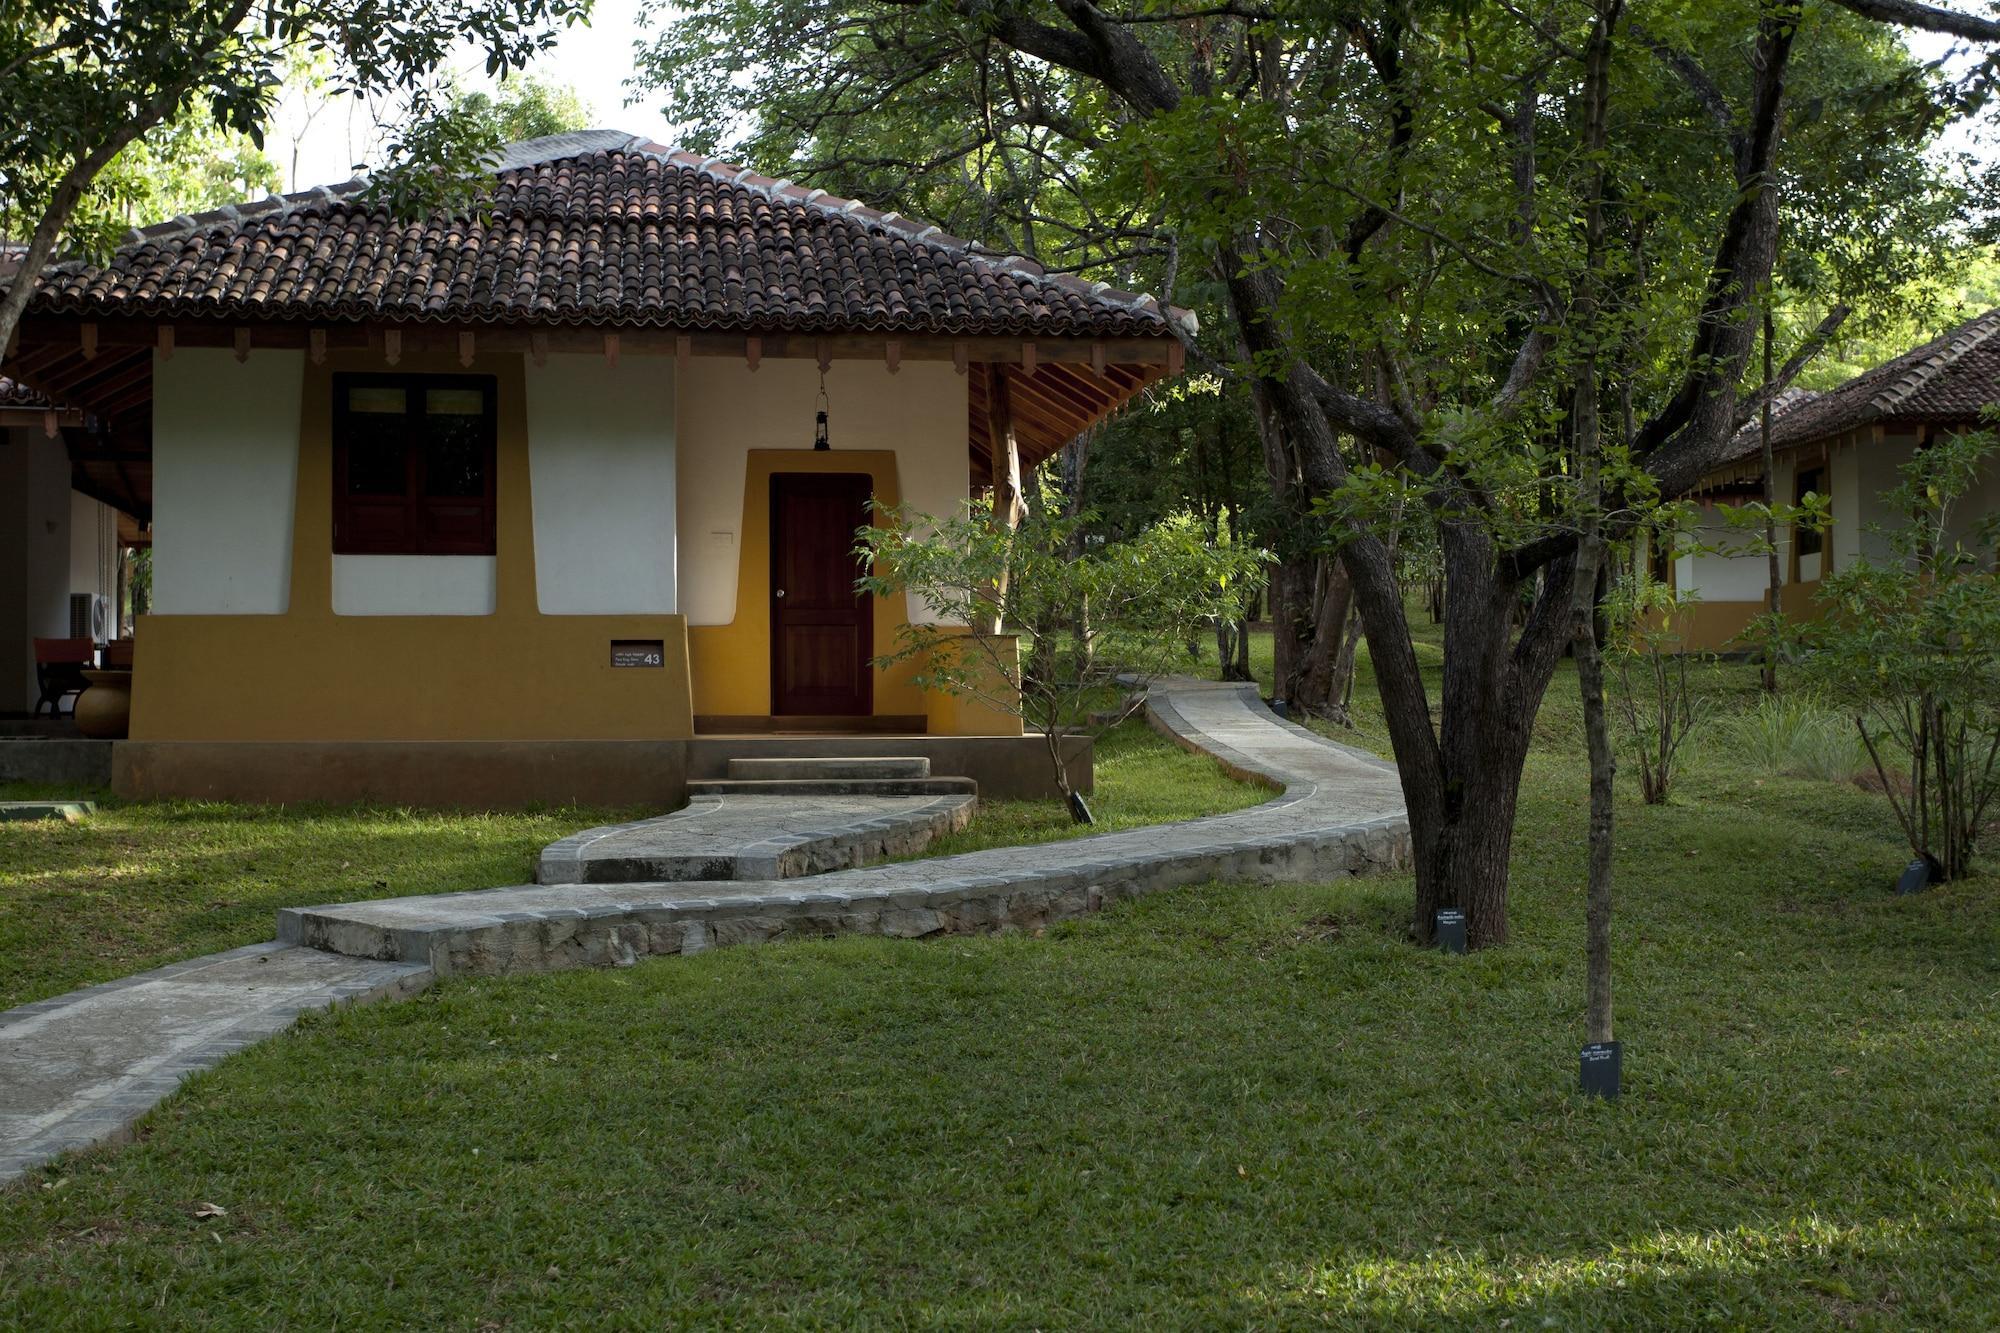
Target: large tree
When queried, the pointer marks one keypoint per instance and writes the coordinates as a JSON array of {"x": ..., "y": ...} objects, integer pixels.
[
  {"x": 1387, "y": 195},
  {"x": 82, "y": 81}
]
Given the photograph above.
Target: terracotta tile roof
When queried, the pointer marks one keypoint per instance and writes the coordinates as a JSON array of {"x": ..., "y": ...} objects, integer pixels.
[
  {"x": 1947, "y": 380},
  {"x": 595, "y": 228}
]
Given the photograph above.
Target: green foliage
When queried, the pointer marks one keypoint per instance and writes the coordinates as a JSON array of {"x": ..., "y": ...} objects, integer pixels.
[
  {"x": 1799, "y": 735},
  {"x": 142, "y": 884},
  {"x": 189, "y": 165},
  {"x": 529, "y": 108},
  {"x": 1654, "y": 687},
  {"x": 1101, "y": 617},
  {"x": 1910, "y": 646},
  {"x": 81, "y": 82}
]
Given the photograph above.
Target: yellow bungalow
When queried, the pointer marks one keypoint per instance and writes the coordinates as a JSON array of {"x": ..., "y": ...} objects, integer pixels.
[
  {"x": 521, "y": 505},
  {"x": 1845, "y": 445}
]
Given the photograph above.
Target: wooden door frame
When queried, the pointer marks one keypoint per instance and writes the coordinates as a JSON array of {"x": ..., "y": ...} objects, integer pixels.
[{"x": 864, "y": 601}]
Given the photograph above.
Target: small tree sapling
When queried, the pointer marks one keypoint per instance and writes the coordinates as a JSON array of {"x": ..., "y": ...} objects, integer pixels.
[{"x": 1145, "y": 597}]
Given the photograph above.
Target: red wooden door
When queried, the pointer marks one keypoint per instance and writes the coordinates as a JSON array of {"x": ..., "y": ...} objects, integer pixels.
[{"x": 822, "y": 627}]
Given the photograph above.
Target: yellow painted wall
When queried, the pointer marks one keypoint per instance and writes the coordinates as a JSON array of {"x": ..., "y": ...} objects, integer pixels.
[
  {"x": 970, "y": 715},
  {"x": 1716, "y": 627},
  {"x": 731, "y": 664},
  {"x": 311, "y": 675}
]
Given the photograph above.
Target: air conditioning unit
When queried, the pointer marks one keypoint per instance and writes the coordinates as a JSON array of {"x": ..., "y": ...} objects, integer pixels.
[{"x": 89, "y": 616}]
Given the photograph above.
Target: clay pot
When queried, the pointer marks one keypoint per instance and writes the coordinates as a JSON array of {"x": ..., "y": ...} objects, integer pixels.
[{"x": 104, "y": 711}]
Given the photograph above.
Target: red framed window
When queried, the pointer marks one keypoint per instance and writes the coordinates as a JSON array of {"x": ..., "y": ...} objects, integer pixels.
[{"x": 413, "y": 464}]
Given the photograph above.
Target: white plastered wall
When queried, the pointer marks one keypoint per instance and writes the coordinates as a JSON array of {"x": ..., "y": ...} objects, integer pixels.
[
  {"x": 601, "y": 459},
  {"x": 1978, "y": 505},
  {"x": 1844, "y": 472},
  {"x": 726, "y": 410},
  {"x": 93, "y": 554},
  {"x": 414, "y": 585},
  {"x": 1879, "y": 471},
  {"x": 1724, "y": 569},
  {"x": 225, "y": 473}
]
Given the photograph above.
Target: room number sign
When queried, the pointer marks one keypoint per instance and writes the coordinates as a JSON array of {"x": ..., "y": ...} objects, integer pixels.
[{"x": 638, "y": 653}]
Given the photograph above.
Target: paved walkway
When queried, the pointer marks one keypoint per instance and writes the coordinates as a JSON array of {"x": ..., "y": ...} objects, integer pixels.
[
  {"x": 754, "y": 838},
  {"x": 1340, "y": 813},
  {"x": 80, "y": 1068}
]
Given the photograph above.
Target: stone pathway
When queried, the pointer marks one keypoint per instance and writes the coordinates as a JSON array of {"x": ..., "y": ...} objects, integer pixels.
[
  {"x": 79, "y": 1068},
  {"x": 1341, "y": 813},
  {"x": 754, "y": 838}
]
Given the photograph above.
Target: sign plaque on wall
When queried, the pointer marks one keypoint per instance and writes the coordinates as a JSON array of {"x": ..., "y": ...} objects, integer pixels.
[{"x": 638, "y": 653}]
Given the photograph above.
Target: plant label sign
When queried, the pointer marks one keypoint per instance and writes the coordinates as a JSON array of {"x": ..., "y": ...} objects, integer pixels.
[
  {"x": 1451, "y": 930},
  {"x": 1600, "y": 1070},
  {"x": 638, "y": 653}
]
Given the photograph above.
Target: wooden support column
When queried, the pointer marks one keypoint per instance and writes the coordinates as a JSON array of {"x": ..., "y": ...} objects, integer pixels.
[{"x": 1005, "y": 451}]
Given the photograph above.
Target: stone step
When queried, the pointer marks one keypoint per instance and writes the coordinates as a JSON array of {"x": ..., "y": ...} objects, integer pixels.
[
  {"x": 837, "y": 767},
  {"x": 754, "y": 838},
  {"x": 832, "y": 787}
]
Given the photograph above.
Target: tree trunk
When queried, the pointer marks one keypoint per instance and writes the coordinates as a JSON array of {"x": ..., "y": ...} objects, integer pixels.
[
  {"x": 1589, "y": 583},
  {"x": 1315, "y": 685},
  {"x": 1776, "y": 597},
  {"x": 1461, "y": 774},
  {"x": 1462, "y": 812}
]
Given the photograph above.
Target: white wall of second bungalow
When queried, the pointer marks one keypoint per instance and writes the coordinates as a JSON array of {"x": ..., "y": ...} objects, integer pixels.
[
  {"x": 637, "y": 479},
  {"x": 1857, "y": 475}
]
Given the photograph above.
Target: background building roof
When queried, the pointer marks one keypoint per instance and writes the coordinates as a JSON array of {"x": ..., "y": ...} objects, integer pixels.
[{"x": 1945, "y": 381}]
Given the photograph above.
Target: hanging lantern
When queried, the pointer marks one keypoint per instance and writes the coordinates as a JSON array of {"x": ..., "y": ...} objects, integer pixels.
[{"x": 820, "y": 443}]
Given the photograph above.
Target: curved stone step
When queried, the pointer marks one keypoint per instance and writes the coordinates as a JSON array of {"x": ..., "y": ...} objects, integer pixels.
[
  {"x": 760, "y": 836},
  {"x": 801, "y": 788}
]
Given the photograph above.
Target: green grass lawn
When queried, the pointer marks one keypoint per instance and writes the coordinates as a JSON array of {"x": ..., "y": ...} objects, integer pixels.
[
  {"x": 138, "y": 885},
  {"x": 1142, "y": 778},
  {"x": 1228, "y": 1106}
]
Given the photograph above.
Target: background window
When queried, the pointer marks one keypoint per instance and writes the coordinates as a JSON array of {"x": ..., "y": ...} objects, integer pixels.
[
  {"x": 1811, "y": 481},
  {"x": 413, "y": 464}
]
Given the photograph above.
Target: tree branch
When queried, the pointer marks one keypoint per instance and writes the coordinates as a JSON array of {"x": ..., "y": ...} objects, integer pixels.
[
  {"x": 1909, "y": 14},
  {"x": 1810, "y": 348}
]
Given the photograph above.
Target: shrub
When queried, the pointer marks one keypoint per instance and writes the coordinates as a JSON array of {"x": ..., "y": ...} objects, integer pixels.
[{"x": 1910, "y": 647}]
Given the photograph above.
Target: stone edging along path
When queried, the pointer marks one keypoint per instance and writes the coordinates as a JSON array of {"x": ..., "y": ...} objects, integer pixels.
[
  {"x": 1341, "y": 813},
  {"x": 80, "y": 1068}
]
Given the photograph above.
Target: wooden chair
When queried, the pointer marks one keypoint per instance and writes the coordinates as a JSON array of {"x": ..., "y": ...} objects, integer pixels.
[
  {"x": 117, "y": 655},
  {"x": 59, "y": 667}
]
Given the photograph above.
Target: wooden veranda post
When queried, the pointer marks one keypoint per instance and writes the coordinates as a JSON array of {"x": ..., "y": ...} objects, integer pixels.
[{"x": 1006, "y": 455}]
